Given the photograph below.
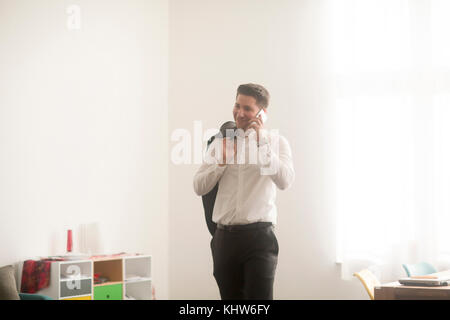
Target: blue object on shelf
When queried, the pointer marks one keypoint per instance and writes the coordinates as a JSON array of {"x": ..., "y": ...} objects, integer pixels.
[{"x": 33, "y": 296}]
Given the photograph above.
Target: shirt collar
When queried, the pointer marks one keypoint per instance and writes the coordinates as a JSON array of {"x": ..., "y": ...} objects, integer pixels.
[{"x": 242, "y": 134}]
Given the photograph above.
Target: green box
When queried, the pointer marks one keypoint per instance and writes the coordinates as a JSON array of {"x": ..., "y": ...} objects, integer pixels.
[{"x": 108, "y": 292}]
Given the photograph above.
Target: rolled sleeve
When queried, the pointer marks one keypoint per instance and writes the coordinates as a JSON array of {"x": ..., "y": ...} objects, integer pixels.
[
  {"x": 207, "y": 177},
  {"x": 277, "y": 162}
]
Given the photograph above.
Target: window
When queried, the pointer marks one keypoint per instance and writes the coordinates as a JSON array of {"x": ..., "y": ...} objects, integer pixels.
[{"x": 392, "y": 76}]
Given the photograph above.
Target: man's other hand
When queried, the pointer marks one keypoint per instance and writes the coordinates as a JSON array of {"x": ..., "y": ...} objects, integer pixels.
[{"x": 226, "y": 161}]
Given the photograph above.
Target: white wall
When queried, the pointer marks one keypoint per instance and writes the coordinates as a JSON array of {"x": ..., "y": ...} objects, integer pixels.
[
  {"x": 215, "y": 46},
  {"x": 83, "y": 128}
]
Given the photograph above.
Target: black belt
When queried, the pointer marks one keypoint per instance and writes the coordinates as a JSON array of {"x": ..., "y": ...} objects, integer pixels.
[{"x": 240, "y": 227}]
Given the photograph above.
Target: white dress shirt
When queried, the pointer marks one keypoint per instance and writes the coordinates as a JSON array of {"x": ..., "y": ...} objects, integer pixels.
[{"x": 247, "y": 190}]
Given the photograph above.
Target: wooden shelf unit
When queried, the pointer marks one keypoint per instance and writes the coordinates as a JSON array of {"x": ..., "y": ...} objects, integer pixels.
[{"x": 129, "y": 278}]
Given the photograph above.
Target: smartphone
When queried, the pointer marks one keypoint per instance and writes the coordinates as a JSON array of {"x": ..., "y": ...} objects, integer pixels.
[{"x": 262, "y": 114}]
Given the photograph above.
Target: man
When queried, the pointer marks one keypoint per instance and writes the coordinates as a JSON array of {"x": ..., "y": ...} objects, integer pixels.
[{"x": 244, "y": 246}]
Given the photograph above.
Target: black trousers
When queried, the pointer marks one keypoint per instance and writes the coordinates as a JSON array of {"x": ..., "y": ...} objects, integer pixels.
[{"x": 245, "y": 262}]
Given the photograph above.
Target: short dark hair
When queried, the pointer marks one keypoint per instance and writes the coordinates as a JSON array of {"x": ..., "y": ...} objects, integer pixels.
[{"x": 256, "y": 91}]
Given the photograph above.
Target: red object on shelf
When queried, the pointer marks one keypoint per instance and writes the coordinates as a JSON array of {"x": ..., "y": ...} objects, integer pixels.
[
  {"x": 35, "y": 275},
  {"x": 69, "y": 240}
]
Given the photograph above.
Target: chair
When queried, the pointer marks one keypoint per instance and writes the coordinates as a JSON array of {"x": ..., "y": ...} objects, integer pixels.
[
  {"x": 419, "y": 269},
  {"x": 369, "y": 280}
]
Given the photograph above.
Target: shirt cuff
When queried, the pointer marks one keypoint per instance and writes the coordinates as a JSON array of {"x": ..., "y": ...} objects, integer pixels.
[
  {"x": 265, "y": 155},
  {"x": 263, "y": 140},
  {"x": 216, "y": 165},
  {"x": 219, "y": 168}
]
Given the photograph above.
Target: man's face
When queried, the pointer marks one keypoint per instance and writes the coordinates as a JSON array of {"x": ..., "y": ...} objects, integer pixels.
[{"x": 244, "y": 110}]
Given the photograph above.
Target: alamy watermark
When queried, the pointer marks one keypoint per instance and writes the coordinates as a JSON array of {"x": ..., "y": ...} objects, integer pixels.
[
  {"x": 73, "y": 17},
  {"x": 74, "y": 274},
  {"x": 235, "y": 147}
]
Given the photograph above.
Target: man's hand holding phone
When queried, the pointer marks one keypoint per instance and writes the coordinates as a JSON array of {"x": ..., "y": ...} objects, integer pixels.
[{"x": 257, "y": 123}]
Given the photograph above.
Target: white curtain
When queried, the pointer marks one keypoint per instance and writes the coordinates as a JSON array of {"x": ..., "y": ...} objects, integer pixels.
[{"x": 391, "y": 66}]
